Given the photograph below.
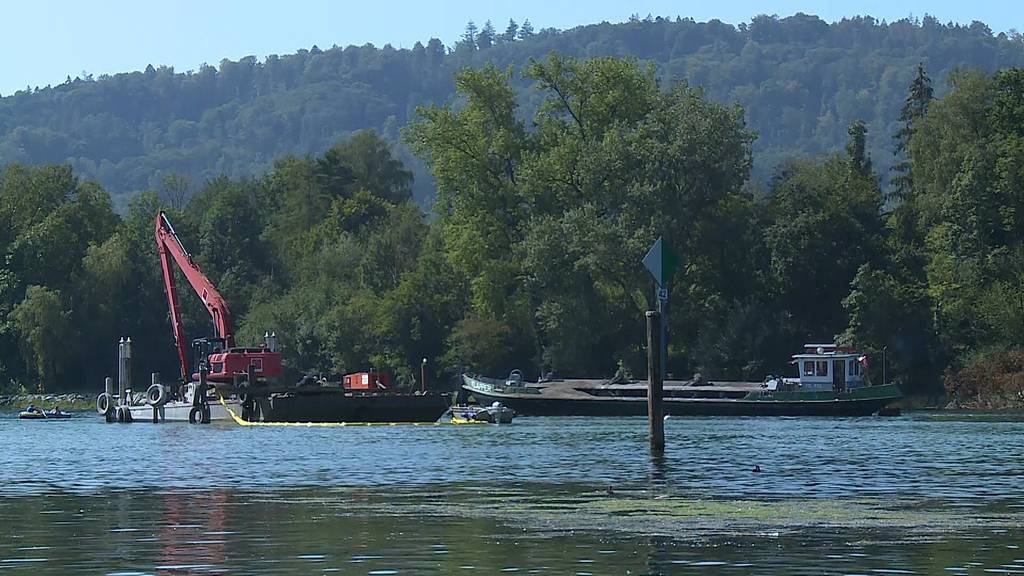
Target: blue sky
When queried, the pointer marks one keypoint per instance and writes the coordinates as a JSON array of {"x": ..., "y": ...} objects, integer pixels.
[{"x": 43, "y": 41}]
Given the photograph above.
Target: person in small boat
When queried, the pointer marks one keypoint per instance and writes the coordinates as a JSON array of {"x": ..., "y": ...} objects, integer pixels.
[
  {"x": 56, "y": 409},
  {"x": 32, "y": 408}
]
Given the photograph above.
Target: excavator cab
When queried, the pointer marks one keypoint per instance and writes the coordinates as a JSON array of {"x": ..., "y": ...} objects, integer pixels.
[
  {"x": 223, "y": 364},
  {"x": 202, "y": 348}
]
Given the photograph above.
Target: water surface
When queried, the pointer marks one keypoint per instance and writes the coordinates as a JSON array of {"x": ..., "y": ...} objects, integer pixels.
[{"x": 927, "y": 493}]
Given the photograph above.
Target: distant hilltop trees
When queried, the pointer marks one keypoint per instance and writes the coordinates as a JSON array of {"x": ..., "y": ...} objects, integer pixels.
[{"x": 800, "y": 80}]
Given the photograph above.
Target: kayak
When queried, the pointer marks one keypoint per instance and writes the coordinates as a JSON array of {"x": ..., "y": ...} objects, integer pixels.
[{"x": 38, "y": 415}]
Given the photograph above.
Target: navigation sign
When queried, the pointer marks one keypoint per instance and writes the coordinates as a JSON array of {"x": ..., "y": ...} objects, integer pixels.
[{"x": 661, "y": 261}]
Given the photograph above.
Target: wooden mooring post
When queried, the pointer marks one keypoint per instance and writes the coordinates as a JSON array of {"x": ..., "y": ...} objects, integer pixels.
[
  {"x": 655, "y": 388},
  {"x": 108, "y": 389},
  {"x": 123, "y": 411}
]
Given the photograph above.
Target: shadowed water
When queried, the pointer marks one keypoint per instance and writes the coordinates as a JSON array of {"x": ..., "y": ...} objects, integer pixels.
[{"x": 928, "y": 493}]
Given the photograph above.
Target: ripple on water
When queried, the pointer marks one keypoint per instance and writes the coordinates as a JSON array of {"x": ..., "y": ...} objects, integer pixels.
[
  {"x": 515, "y": 501},
  {"x": 925, "y": 455}
]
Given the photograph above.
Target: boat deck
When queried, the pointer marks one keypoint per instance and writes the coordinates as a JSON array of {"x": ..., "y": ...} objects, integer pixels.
[{"x": 582, "y": 389}]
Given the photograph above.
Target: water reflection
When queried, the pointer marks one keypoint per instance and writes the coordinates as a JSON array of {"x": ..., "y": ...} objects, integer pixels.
[
  {"x": 191, "y": 532},
  {"x": 298, "y": 532}
]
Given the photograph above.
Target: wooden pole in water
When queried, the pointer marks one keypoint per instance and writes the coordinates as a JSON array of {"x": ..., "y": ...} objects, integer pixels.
[
  {"x": 108, "y": 387},
  {"x": 121, "y": 376},
  {"x": 124, "y": 380},
  {"x": 655, "y": 418},
  {"x": 128, "y": 369}
]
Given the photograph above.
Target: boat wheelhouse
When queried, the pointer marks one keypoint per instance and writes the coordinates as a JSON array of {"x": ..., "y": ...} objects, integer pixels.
[{"x": 830, "y": 367}]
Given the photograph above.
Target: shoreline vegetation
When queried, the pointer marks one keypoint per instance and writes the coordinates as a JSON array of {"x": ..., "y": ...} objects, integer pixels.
[
  {"x": 69, "y": 402},
  {"x": 990, "y": 381},
  {"x": 532, "y": 258}
]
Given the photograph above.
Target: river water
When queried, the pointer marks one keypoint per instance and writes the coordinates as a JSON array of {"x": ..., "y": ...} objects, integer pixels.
[{"x": 925, "y": 493}]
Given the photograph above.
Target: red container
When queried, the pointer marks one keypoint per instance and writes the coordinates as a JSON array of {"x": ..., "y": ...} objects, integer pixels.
[{"x": 366, "y": 381}]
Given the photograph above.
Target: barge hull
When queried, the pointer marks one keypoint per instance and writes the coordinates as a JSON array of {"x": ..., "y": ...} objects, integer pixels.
[
  {"x": 336, "y": 407},
  {"x": 580, "y": 398},
  {"x": 687, "y": 407},
  {"x": 178, "y": 411},
  {"x": 326, "y": 407}
]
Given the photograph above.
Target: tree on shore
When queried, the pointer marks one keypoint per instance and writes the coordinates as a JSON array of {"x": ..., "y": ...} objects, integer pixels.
[{"x": 914, "y": 108}]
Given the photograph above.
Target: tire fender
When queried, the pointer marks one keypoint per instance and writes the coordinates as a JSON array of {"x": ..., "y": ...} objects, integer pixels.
[
  {"x": 102, "y": 403},
  {"x": 199, "y": 415},
  {"x": 156, "y": 395}
]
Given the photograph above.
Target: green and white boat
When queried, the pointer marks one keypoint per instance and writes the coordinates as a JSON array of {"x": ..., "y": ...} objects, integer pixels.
[{"x": 831, "y": 382}]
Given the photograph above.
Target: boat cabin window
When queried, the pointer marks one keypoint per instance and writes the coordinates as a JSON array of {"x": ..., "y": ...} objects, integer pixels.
[
  {"x": 808, "y": 368},
  {"x": 822, "y": 368},
  {"x": 853, "y": 368}
]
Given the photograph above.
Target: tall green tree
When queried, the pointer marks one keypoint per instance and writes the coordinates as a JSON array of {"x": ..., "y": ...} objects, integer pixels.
[
  {"x": 487, "y": 36},
  {"x": 856, "y": 150},
  {"x": 526, "y": 30},
  {"x": 511, "y": 31},
  {"x": 914, "y": 108}
]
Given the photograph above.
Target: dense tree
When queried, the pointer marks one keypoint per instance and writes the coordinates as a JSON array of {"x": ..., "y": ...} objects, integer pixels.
[
  {"x": 826, "y": 225},
  {"x": 511, "y": 32},
  {"x": 44, "y": 326},
  {"x": 526, "y": 30},
  {"x": 469, "y": 37},
  {"x": 575, "y": 203},
  {"x": 856, "y": 151},
  {"x": 914, "y": 108},
  {"x": 487, "y": 36},
  {"x": 801, "y": 81},
  {"x": 947, "y": 293}
]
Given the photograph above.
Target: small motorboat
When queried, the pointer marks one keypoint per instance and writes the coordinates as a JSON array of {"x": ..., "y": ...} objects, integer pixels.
[
  {"x": 37, "y": 414},
  {"x": 496, "y": 413}
]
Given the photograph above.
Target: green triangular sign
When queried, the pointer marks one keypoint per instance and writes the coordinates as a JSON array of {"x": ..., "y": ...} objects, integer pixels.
[{"x": 661, "y": 261}]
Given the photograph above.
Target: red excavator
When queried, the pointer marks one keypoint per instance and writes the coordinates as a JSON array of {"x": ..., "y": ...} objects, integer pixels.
[
  {"x": 252, "y": 376},
  {"x": 218, "y": 357}
]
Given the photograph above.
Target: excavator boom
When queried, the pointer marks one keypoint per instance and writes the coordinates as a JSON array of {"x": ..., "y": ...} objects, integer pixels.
[{"x": 223, "y": 365}]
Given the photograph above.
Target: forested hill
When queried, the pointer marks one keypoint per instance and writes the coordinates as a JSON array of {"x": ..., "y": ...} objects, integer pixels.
[{"x": 801, "y": 81}]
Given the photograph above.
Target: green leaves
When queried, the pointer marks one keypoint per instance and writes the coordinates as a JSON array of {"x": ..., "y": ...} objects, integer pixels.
[
  {"x": 43, "y": 326},
  {"x": 548, "y": 226},
  {"x": 826, "y": 225}
]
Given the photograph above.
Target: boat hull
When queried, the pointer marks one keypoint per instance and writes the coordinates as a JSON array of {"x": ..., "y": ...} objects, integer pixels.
[
  {"x": 691, "y": 407},
  {"x": 858, "y": 402},
  {"x": 328, "y": 406},
  {"x": 353, "y": 407},
  {"x": 179, "y": 411},
  {"x": 490, "y": 415}
]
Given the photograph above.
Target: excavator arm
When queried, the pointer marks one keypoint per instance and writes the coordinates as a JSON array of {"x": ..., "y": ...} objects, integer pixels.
[{"x": 169, "y": 247}]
